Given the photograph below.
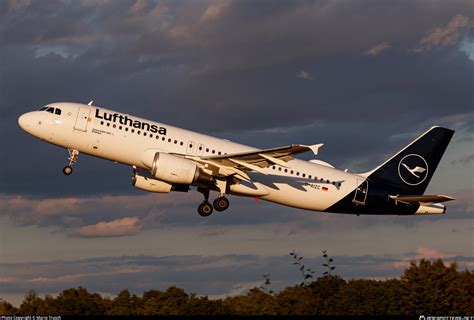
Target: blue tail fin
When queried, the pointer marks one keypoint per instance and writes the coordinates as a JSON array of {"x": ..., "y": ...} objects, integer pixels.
[{"x": 411, "y": 169}]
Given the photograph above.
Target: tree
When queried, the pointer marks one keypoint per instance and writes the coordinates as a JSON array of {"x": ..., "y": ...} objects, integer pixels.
[
  {"x": 434, "y": 288},
  {"x": 255, "y": 302},
  {"x": 7, "y": 309},
  {"x": 124, "y": 304},
  {"x": 31, "y": 303},
  {"x": 77, "y": 301}
]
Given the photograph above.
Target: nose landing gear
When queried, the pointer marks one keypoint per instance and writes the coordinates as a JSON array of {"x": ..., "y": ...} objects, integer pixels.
[{"x": 73, "y": 155}]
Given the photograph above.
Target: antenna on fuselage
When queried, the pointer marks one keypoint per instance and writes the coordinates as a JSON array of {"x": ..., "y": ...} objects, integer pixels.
[{"x": 90, "y": 103}]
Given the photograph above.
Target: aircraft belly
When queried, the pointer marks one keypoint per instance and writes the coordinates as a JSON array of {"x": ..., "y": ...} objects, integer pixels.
[{"x": 309, "y": 196}]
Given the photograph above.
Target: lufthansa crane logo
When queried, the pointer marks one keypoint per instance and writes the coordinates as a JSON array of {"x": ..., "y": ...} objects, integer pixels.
[{"x": 413, "y": 169}]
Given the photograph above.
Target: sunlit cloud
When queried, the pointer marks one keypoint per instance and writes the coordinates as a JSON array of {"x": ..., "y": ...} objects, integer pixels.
[{"x": 445, "y": 36}]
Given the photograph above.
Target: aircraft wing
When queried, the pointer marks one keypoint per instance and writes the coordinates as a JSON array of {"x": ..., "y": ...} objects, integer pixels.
[
  {"x": 422, "y": 200},
  {"x": 241, "y": 163}
]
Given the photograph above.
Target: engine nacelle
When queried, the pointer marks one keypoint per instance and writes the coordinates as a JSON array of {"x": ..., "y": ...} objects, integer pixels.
[
  {"x": 435, "y": 208},
  {"x": 151, "y": 185},
  {"x": 176, "y": 170}
]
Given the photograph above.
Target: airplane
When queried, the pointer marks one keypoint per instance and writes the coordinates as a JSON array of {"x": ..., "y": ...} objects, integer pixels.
[{"x": 166, "y": 158}]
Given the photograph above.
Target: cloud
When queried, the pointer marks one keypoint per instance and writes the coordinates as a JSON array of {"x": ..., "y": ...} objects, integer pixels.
[
  {"x": 214, "y": 10},
  {"x": 88, "y": 216},
  {"x": 464, "y": 160},
  {"x": 303, "y": 75},
  {"x": 445, "y": 36},
  {"x": 378, "y": 49},
  {"x": 120, "y": 227}
]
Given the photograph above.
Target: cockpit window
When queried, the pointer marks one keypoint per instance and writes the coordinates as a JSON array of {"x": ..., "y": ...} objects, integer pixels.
[
  {"x": 57, "y": 111},
  {"x": 50, "y": 109},
  {"x": 42, "y": 109}
]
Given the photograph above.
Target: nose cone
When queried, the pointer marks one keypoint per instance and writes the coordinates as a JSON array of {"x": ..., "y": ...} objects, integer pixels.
[{"x": 25, "y": 121}]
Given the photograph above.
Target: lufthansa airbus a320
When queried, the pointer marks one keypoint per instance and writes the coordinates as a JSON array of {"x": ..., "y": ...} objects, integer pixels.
[{"x": 165, "y": 158}]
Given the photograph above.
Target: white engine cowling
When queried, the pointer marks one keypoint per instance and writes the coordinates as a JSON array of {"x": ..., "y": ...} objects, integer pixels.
[
  {"x": 151, "y": 185},
  {"x": 176, "y": 170},
  {"x": 435, "y": 208}
]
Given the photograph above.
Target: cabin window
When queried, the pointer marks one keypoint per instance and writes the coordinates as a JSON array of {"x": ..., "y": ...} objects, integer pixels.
[
  {"x": 138, "y": 132},
  {"x": 108, "y": 124},
  {"x": 297, "y": 173},
  {"x": 133, "y": 130},
  {"x": 120, "y": 127},
  {"x": 163, "y": 139},
  {"x": 57, "y": 111},
  {"x": 169, "y": 140},
  {"x": 200, "y": 148},
  {"x": 304, "y": 175},
  {"x": 213, "y": 151},
  {"x": 207, "y": 149},
  {"x": 176, "y": 141},
  {"x": 219, "y": 153},
  {"x": 286, "y": 170},
  {"x": 279, "y": 168},
  {"x": 102, "y": 123},
  {"x": 157, "y": 137},
  {"x": 292, "y": 172},
  {"x": 309, "y": 177},
  {"x": 181, "y": 143},
  {"x": 113, "y": 126},
  {"x": 126, "y": 128}
]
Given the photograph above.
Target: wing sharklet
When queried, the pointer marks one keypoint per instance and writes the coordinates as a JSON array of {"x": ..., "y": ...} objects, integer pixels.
[
  {"x": 315, "y": 148},
  {"x": 274, "y": 160}
]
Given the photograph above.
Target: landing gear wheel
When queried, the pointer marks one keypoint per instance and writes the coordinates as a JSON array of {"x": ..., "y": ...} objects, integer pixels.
[
  {"x": 221, "y": 204},
  {"x": 67, "y": 170},
  {"x": 73, "y": 154},
  {"x": 205, "y": 209}
]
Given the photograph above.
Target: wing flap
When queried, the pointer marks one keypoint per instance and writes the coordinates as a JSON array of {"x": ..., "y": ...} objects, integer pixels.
[{"x": 264, "y": 158}]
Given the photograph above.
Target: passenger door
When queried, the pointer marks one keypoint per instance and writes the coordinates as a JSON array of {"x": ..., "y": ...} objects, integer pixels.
[{"x": 82, "y": 119}]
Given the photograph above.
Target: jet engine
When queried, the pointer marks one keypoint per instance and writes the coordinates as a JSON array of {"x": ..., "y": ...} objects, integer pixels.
[
  {"x": 435, "y": 208},
  {"x": 177, "y": 170},
  {"x": 152, "y": 185},
  {"x": 149, "y": 184}
]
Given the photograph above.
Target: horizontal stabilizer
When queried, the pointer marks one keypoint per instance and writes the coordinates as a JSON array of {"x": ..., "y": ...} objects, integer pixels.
[{"x": 422, "y": 200}]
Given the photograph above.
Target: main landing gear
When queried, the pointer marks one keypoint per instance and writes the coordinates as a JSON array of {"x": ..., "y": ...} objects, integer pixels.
[
  {"x": 205, "y": 208},
  {"x": 73, "y": 154}
]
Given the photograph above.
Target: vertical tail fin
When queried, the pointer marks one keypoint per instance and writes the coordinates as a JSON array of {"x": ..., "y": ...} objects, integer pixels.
[{"x": 411, "y": 169}]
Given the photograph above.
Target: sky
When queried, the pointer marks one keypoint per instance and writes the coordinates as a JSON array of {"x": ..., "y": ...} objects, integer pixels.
[{"x": 363, "y": 77}]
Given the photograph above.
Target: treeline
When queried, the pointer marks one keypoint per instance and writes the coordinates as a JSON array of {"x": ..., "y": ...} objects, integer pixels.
[{"x": 424, "y": 288}]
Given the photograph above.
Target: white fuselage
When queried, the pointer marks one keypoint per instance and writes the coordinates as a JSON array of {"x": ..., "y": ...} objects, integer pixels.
[{"x": 124, "y": 138}]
